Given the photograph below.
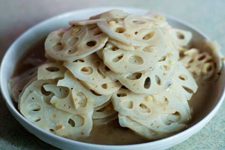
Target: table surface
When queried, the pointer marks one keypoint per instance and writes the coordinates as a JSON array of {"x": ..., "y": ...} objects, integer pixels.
[{"x": 17, "y": 16}]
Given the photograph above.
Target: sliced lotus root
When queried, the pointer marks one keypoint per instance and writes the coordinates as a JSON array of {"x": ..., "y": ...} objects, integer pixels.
[
  {"x": 182, "y": 38},
  {"x": 164, "y": 111},
  {"x": 164, "y": 115},
  {"x": 123, "y": 61},
  {"x": 74, "y": 43},
  {"x": 18, "y": 83},
  {"x": 167, "y": 111},
  {"x": 81, "y": 95},
  {"x": 112, "y": 14},
  {"x": 144, "y": 131},
  {"x": 182, "y": 83},
  {"x": 84, "y": 22},
  {"x": 122, "y": 45},
  {"x": 87, "y": 70},
  {"x": 50, "y": 119},
  {"x": 151, "y": 81},
  {"x": 159, "y": 20},
  {"x": 71, "y": 99},
  {"x": 107, "y": 72},
  {"x": 50, "y": 71},
  {"x": 64, "y": 100},
  {"x": 104, "y": 115},
  {"x": 215, "y": 50},
  {"x": 104, "y": 121},
  {"x": 34, "y": 105},
  {"x": 132, "y": 30},
  {"x": 104, "y": 112},
  {"x": 200, "y": 64},
  {"x": 99, "y": 53}
]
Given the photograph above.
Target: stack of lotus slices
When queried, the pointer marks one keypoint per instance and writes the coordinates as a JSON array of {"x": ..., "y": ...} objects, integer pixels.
[{"x": 116, "y": 65}]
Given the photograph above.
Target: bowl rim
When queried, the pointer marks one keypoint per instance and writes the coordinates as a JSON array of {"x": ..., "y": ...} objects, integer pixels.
[{"x": 19, "y": 117}]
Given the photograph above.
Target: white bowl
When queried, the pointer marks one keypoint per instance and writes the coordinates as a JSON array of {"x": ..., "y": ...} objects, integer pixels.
[{"x": 34, "y": 34}]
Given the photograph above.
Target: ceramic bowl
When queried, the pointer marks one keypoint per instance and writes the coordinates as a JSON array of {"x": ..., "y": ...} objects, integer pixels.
[{"x": 40, "y": 31}]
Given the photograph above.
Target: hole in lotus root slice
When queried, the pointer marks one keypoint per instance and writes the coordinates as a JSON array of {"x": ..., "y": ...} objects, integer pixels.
[
  {"x": 149, "y": 49},
  {"x": 163, "y": 59},
  {"x": 81, "y": 99},
  {"x": 87, "y": 70},
  {"x": 166, "y": 101},
  {"x": 208, "y": 68},
  {"x": 106, "y": 68},
  {"x": 71, "y": 122},
  {"x": 139, "y": 22},
  {"x": 147, "y": 83},
  {"x": 182, "y": 37},
  {"x": 104, "y": 86},
  {"x": 188, "y": 89},
  {"x": 158, "y": 80},
  {"x": 136, "y": 60},
  {"x": 182, "y": 77},
  {"x": 177, "y": 114},
  {"x": 173, "y": 118},
  {"x": 144, "y": 108},
  {"x": 80, "y": 120},
  {"x": 79, "y": 60},
  {"x": 117, "y": 58},
  {"x": 71, "y": 51},
  {"x": 120, "y": 30},
  {"x": 121, "y": 94},
  {"x": 52, "y": 69},
  {"x": 37, "y": 120},
  {"x": 202, "y": 57},
  {"x": 114, "y": 48},
  {"x": 148, "y": 36},
  {"x": 91, "y": 43},
  {"x": 44, "y": 92},
  {"x": 134, "y": 76},
  {"x": 38, "y": 108}
]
